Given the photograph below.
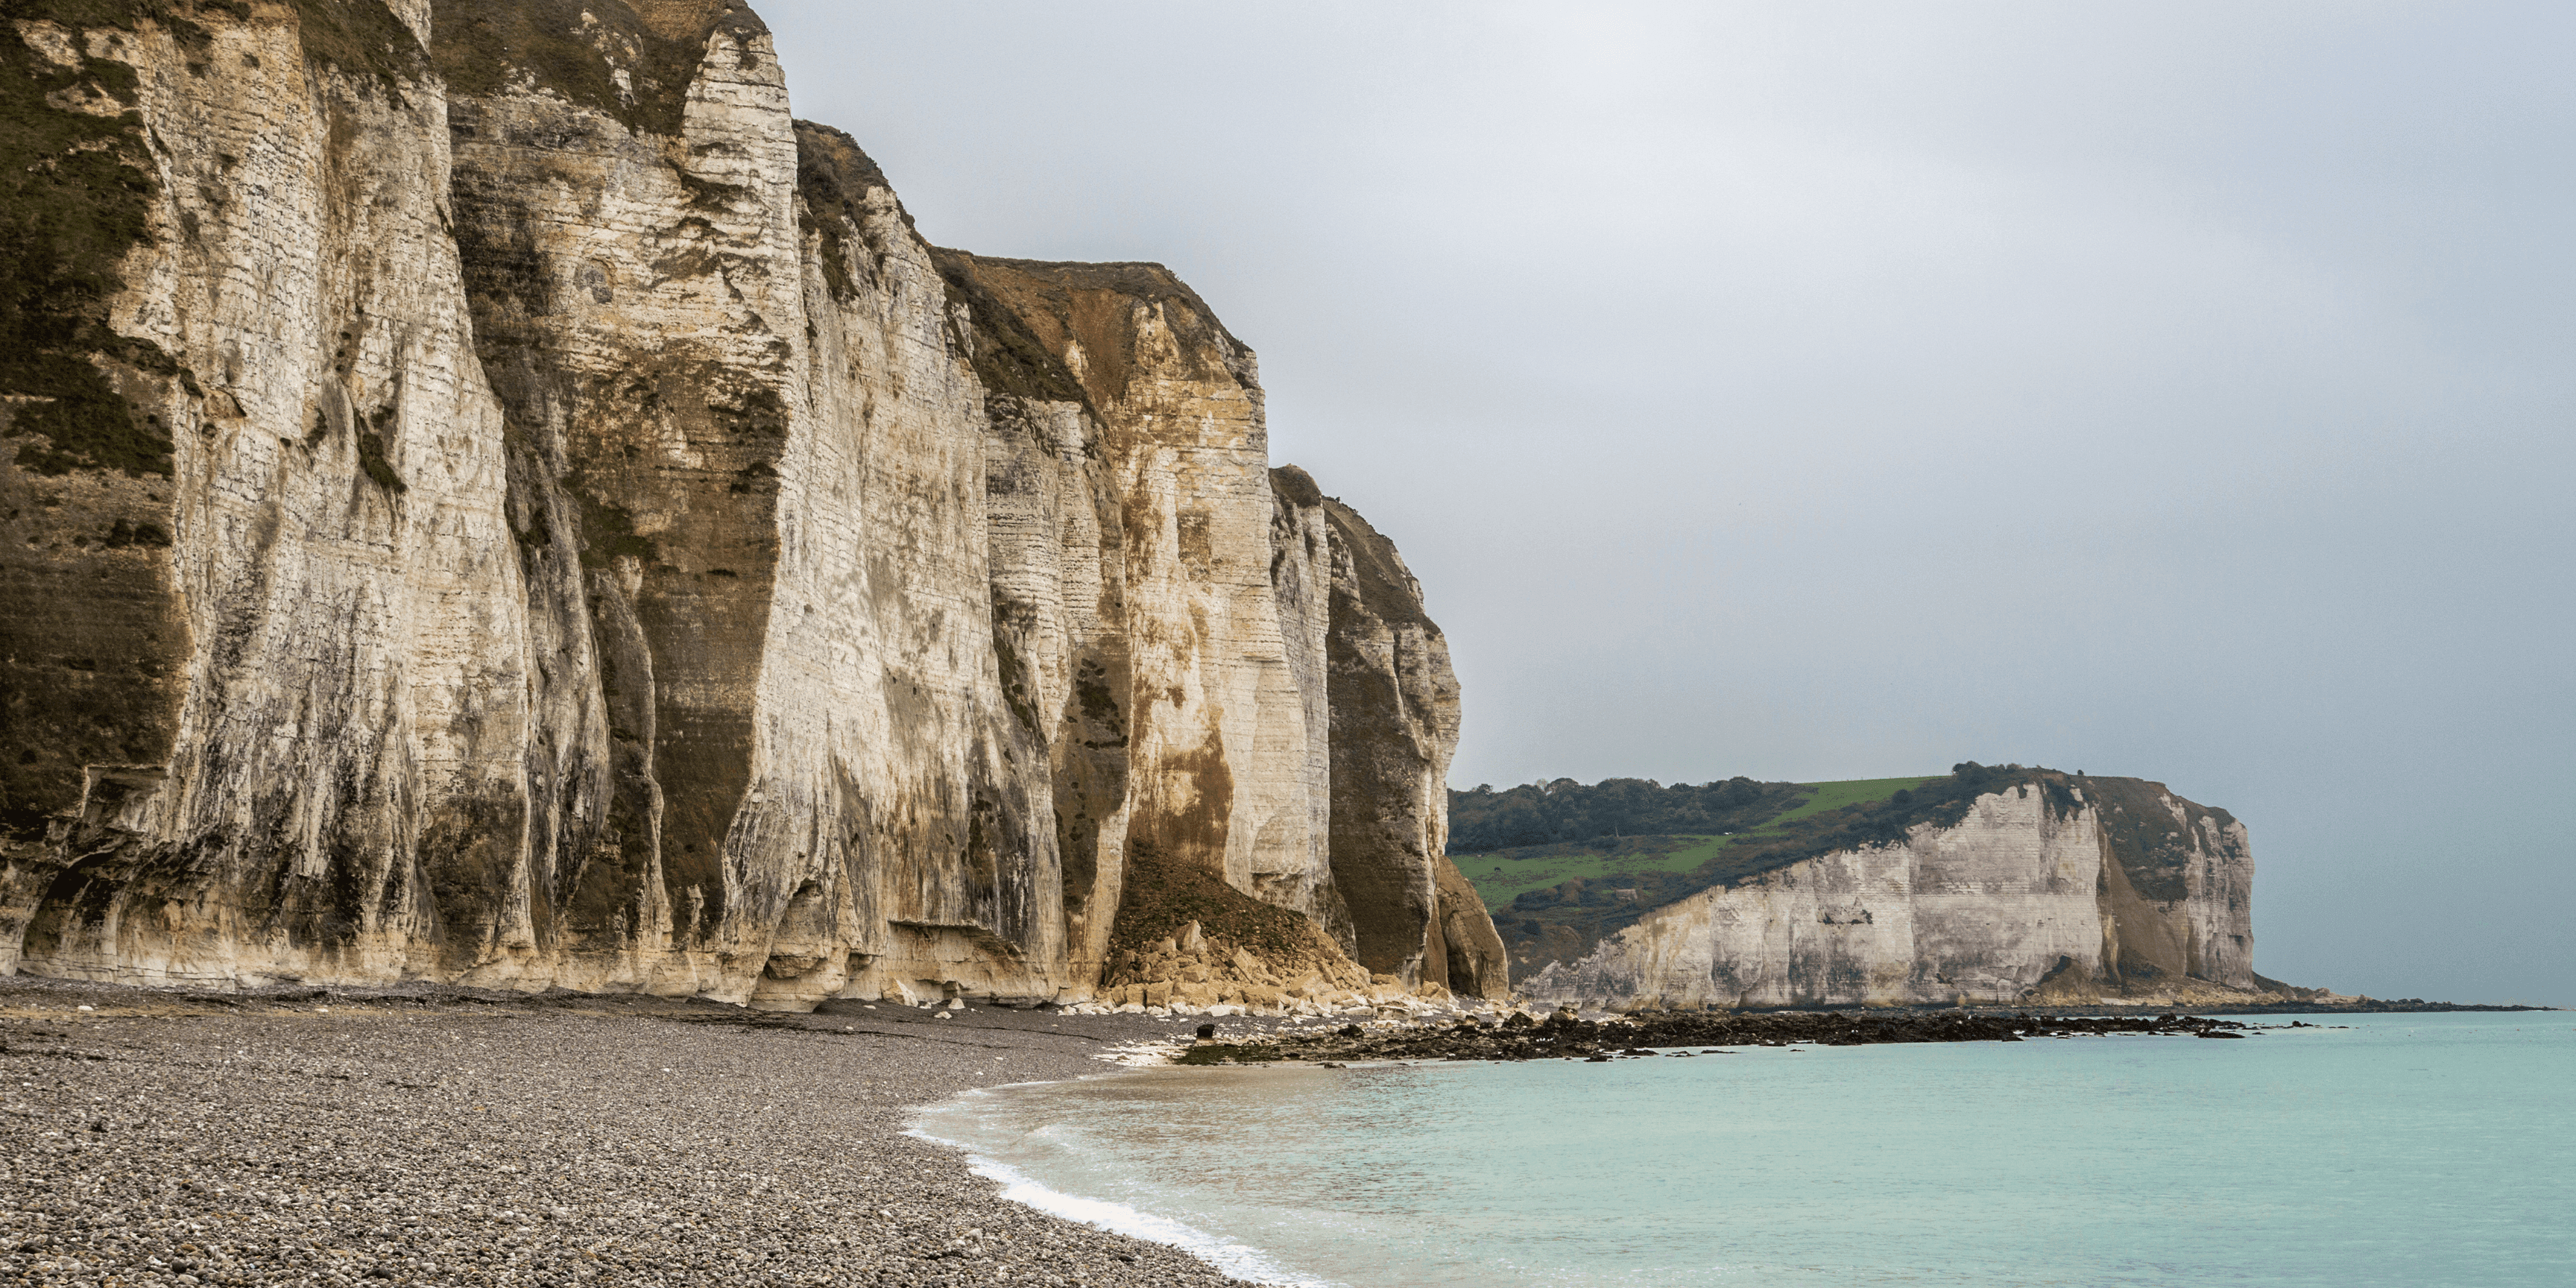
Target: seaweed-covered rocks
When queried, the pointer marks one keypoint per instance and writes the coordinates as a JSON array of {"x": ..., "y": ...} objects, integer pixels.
[{"x": 1565, "y": 1036}]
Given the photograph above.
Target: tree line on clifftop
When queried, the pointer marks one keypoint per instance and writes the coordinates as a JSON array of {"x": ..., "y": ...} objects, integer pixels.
[{"x": 1484, "y": 819}]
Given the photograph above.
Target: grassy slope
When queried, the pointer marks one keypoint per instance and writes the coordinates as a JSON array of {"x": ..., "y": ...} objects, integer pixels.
[
  {"x": 1501, "y": 876},
  {"x": 1504, "y": 874},
  {"x": 1852, "y": 791}
]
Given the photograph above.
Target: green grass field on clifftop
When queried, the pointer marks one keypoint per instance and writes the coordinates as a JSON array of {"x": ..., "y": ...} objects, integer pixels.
[{"x": 1503, "y": 875}]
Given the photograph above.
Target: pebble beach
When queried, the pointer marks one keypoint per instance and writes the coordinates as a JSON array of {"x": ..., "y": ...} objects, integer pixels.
[{"x": 452, "y": 1137}]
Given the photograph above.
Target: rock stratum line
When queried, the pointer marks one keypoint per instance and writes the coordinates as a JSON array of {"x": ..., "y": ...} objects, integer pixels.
[{"x": 491, "y": 497}]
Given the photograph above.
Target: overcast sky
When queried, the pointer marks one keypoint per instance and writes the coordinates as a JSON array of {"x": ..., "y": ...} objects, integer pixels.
[{"x": 1818, "y": 390}]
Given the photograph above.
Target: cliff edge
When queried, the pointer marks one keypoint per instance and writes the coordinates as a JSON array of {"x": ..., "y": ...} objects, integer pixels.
[
  {"x": 496, "y": 499},
  {"x": 2041, "y": 888}
]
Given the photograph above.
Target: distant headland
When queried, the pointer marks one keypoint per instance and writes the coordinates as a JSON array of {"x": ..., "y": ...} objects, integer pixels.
[{"x": 1993, "y": 886}]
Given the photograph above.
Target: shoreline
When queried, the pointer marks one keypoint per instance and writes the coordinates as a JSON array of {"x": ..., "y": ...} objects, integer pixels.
[
  {"x": 457, "y": 1136},
  {"x": 1252, "y": 1265},
  {"x": 433, "y": 1134}
]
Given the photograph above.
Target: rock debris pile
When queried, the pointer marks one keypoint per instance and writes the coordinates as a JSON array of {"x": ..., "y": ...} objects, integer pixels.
[{"x": 1192, "y": 973}]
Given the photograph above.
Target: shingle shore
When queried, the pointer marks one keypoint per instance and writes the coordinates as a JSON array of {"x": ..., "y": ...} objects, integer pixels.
[{"x": 447, "y": 1137}]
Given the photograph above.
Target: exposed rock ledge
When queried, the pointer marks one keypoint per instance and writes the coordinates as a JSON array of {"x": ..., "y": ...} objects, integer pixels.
[{"x": 496, "y": 500}]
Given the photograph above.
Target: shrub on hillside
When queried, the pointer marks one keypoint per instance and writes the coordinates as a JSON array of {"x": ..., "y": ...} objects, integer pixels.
[{"x": 1567, "y": 811}]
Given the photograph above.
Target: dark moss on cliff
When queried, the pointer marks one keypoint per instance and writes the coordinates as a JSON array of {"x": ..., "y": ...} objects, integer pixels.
[
  {"x": 1384, "y": 584},
  {"x": 576, "y": 48},
  {"x": 180, "y": 19},
  {"x": 2151, "y": 845},
  {"x": 75, "y": 197},
  {"x": 833, "y": 178},
  {"x": 355, "y": 36},
  {"x": 1050, "y": 305},
  {"x": 1015, "y": 674},
  {"x": 1141, "y": 280},
  {"x": 371, "y": 453},
  {"x": 76, "y": 192},
  {"x": 608, "y": 531},
  {"x": 1008, "y": 355},
  {"x": 1295, "y": 486}
]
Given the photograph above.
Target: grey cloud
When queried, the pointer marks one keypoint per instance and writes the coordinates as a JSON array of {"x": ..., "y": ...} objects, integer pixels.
[{"x": 1828, "y": 391}]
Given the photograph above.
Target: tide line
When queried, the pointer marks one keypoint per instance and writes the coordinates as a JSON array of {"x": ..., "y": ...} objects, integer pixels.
[{"x": 1239, "y": 1260}]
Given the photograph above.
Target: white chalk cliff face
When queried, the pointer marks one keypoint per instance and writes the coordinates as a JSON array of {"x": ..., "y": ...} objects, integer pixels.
[
  {"x": 2115, "y": 888},
  {"x": 516, "y": 507}
]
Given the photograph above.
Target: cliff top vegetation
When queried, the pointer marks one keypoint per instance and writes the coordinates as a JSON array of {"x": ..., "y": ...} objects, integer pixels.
[
  {"x": 1625, "y": 846},
  {"x": 1504, "y": 873},
  {"x": 580, "y": 48},
  {"x": 1484, "y": 820},
  {"x": 1093, "y": 306}
]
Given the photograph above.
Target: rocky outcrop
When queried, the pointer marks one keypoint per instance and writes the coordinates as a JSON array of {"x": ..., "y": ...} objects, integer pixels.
[
  {"x": 2051, "y": 892},
  {"x": 1643, "y": 1036},
  {"x": 1392, "y": 705},
  {"x": 1462, "y": 936},
  {"x": 501, "y": 501}
]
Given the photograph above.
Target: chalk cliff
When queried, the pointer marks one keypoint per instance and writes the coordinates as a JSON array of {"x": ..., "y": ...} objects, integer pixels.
[
  {"x": 2057, "y": 890},
  {"x": 489, "y": 496}
]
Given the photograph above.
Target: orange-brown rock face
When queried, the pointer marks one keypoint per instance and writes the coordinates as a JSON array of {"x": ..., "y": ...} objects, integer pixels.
[{"x": 520, "y": 508}]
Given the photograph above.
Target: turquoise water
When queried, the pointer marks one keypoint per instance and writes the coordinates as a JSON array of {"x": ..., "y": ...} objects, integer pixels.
[{"x": 2402, "y": 1150}]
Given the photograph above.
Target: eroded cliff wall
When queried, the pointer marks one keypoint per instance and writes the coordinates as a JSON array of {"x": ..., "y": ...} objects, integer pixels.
[
  {"x": 2105, "y": 887},
  {"x": 499, "y": 500}
]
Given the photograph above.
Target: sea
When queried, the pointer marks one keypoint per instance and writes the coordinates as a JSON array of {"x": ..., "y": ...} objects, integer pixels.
[{"x": 2419, "y": 1149}]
